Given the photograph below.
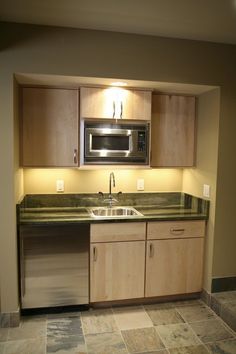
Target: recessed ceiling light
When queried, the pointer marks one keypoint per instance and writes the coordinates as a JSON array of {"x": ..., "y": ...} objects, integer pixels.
[{"x": 119, "y": 83}]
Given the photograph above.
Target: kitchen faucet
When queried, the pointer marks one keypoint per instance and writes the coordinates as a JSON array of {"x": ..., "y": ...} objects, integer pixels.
[{"x": 111, "y": 178}]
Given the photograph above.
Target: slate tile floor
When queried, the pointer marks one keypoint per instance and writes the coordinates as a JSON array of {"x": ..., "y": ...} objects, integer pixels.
[
  {"x": 224, "y": 304},
  {"x": 183, "y": 327}
]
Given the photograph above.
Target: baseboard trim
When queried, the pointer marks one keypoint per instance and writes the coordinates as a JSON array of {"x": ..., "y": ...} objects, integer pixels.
[{"x": 223, "y": 284}]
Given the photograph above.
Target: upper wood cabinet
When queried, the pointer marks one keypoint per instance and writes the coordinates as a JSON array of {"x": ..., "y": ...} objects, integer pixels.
[
  {"x": 172, "y": 131},
  {"x": 49, "y": 127},
  {"x": 117, "y": 103}
]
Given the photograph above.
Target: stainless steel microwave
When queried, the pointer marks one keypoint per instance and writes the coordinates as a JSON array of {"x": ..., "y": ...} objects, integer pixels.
[{"x": 116, "y": 143}]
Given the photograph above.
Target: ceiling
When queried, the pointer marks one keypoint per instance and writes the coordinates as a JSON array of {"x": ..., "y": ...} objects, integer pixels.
[{"x": 207, "y": 20}]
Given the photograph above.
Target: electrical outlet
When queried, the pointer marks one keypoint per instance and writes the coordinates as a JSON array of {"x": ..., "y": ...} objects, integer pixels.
[
  {"x": 206, "y": 190},
  {"x": 140, "y": 184},
  {"x": 60, "y": 185}
]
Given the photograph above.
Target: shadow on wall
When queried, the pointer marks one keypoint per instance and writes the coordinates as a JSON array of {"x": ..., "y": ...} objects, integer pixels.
[{"x": 13, "y": 35}]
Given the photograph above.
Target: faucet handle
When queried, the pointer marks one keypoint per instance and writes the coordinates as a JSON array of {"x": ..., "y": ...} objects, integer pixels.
[
  {"x": 101, "y": 195},
  {"x": 119, "y": 194}
]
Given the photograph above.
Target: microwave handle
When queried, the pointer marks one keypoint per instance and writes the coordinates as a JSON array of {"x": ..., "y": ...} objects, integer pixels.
[
  {"x": 114, "y": 109},
  {"x": 121, "y": 109}
]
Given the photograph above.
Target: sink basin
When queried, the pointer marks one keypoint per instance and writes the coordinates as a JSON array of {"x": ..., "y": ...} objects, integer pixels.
[{"x": 113, "y": 212}]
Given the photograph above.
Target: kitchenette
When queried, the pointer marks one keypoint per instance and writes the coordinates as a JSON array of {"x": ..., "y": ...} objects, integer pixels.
[{"x": 109, "y": 245}]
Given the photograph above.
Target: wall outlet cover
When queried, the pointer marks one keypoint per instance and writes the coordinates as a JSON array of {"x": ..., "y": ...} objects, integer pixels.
[
  {"x": 140, "y": 184},
  {"x": 60, "y": 185},
  {"x": 206, "y": 190}
]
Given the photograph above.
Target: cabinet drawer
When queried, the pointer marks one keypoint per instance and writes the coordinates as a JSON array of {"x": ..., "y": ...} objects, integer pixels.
[
  {"x": 175, "y": 229},
  {"x": 109, "y": 232}
]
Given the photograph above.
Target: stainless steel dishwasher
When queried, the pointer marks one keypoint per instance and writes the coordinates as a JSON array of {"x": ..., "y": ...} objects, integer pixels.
[{"x": 54, "y": 265}]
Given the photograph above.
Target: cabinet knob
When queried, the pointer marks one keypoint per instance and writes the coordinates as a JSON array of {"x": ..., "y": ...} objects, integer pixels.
[{"x": 75, "y": 156}]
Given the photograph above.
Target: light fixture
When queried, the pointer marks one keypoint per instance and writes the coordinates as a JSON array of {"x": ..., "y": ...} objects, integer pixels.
[{"x": 119, "y": 83}]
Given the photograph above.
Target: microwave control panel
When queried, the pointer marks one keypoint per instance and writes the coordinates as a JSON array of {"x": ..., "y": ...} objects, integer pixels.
[{"x": 141, "y": 141}]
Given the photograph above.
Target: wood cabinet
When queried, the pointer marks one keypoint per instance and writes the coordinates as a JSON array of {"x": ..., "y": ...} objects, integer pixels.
[
  {"x": 49, "y": 127},
  {"x": 174, "y": 258},
  {"x": 117, "y": 267},
  {"x": 172, "y": 131},
  {"x": 117, "y": 103},
  {"x": 124, "y": 265}
]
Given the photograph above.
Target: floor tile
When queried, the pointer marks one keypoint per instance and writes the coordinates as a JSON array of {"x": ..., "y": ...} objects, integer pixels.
[
  {"x": 193, "y": 349},
  {"x": 64, "y": 327},
  {"x": 224, "y": 347},
  {"x": 211, "y": 330},
  {"x": 177, "y": 335},
  {"x": 225, "y": 296},
  {"x": 65, "y": 335},
  {"x": 162, "y": 351},
  {"x": 142, "y": 340},
  {"x": 161, "y": 315},
  {"x": 131, "y": 317},
  {"x": 3, "y": 334},
  {"x": 195, "y": 313},
  {"x": 28, "y": 329},
  {"x": 98, "y": 321},
  {"x": 66, "y": 345},
  {"x": 105, "y": 343},
  {"x": 228, "y": 314},
  {"x": 52, "y": 316},
  {"x": 2, "y": 345},
  {"x": 35, "y": 346}
]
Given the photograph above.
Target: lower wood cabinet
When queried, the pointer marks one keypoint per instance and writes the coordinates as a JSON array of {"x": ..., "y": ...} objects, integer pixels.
[
  {"x": 117, "y": 270},
  {"x": 136, "y": 260},
  {"x": 174, "y": 266}
]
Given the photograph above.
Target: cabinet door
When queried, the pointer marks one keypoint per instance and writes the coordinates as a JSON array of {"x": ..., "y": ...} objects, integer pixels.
[
  {"x": 115, "y": 103},
  {"x": 117, "y": 270},
  {"x": 49, "y": 127},
  {"x": 173, "y": 131},
  {"x": 136, "y": 105},
  {"x": 174, "y": 266}
]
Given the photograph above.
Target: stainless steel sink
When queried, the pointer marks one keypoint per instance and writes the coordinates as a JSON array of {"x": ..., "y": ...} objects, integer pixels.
[{"x": 112, "y": 212}]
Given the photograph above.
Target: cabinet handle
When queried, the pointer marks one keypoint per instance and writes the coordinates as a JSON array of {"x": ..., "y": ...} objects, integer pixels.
[
  {"x": 121, "y": 109},
  {"x": 180, "y": 231},
  {"x": 95, "y": 254},
  {"x": 114, "y": 109},
  {"x": 151, "y": 250},
  {"x": 75, "y": 156}
]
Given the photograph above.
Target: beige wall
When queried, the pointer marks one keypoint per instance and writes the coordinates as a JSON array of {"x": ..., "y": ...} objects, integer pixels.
[
  {"x": 59, "y": 51},
  {"x": 44, "y": 180},
  {"x": 224, "y": 252},
  {"x": 206, "y": 171}
]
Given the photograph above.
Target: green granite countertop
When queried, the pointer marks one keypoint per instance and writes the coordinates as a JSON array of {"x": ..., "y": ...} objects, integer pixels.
[{"x": 61, "y": 209}]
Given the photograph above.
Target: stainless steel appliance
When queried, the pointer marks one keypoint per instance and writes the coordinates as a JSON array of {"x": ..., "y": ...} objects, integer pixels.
[
  {"x": 109, "y": 143},
  {"x": 54, "y": 265}
]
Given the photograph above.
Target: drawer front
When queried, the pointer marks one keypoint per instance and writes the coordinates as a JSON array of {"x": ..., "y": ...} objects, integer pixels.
[
  {"x": 175, "y": 229},
  {"x": 111, "y": 232}
]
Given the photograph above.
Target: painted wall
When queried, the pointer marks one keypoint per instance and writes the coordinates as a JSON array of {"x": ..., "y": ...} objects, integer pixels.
[
  {"x": 45, "y": 50},
  {"x": 206, "y": 171},
  {"x": 44, "y": 180}
]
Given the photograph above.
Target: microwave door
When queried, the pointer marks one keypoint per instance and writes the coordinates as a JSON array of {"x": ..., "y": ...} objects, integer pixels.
[{"x": 108, "y": 143}]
